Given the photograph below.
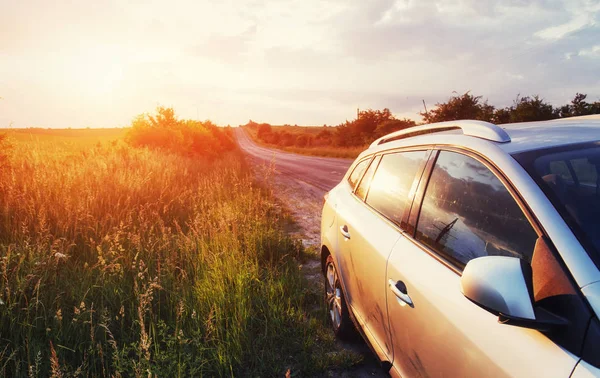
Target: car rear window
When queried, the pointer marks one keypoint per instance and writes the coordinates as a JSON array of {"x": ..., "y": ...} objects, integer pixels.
[
  {"x": 392, "y": 186},
  {"x": 357, "y": 173},
  {"x": 365, "y": 183}
]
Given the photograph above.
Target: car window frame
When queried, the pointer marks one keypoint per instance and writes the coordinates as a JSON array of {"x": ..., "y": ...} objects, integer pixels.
[
  {"x": 353, "y": 168},
  {"x": 376, "y": 159},
  {"x": 419, "y": 197},
  {"x": 419, "y": 176}
]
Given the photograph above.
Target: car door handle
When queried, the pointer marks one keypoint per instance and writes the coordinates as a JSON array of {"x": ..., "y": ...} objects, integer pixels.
[
  {"x": 399, "y": 290},
  {"x": 344, "y": 231}
]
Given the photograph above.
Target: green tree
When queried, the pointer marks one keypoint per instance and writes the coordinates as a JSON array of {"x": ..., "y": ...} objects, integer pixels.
[
  {"x": 368, "y": 120},
  {"x": 392, "y": 125},
  {"x": 501, "y": 115},
  {"x": 528, "y": 109},
  {"x": 465, "y": 106},
  {"x": 578, "y": 107}
]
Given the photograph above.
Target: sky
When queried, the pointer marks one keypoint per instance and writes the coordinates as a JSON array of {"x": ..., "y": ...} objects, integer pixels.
[{"x": 306, "y": 62}]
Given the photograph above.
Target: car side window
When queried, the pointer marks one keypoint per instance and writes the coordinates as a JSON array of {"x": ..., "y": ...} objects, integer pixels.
[
  {"x": 560, "y": 168},
  {"x": 585, "y": 171},
  {"x": 357, "y": 173},
  {"x": 363, "y": 187},
  {"x": 467, "y": 212},
  {"x": 392, "y": 187}
]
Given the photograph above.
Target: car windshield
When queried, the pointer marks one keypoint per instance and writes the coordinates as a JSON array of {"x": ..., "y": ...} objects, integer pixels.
[{"x": 570, "y": 178}]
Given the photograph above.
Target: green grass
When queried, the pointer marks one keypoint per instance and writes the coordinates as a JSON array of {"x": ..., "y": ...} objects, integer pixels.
[{"x": 118, "y": 261}]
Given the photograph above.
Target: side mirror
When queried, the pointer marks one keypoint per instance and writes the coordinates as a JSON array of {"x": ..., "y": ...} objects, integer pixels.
[{"x": 503, "y": 286}]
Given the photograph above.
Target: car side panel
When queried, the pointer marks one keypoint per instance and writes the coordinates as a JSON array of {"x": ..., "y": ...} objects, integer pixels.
[
  {"x": 362, "y": 263},
  {"x": 328, "y": 221},
  {"x": 446, "y": 335},
  {"x": 585, "y": 370}
]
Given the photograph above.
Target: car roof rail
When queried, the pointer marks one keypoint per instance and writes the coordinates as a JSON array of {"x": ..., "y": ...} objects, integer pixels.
[{"x": 478, "y": 129}]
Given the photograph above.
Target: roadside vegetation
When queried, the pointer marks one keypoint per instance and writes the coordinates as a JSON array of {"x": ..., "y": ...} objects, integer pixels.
[
  {"x": 352, "y": 137},
  {"x": 149, "y": 254}
]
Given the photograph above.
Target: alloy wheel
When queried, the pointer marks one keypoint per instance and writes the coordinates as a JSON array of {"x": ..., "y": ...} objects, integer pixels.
[{"x": 334, "y": 296}]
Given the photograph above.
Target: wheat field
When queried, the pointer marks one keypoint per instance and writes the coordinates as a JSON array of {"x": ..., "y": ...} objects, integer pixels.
[{"x": 120, "y": 261}]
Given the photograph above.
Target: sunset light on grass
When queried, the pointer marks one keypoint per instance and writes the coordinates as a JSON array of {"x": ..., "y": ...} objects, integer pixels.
[{"x": 164, "y": 165}]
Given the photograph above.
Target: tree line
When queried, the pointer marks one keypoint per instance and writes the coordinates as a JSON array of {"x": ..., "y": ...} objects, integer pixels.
[{"x": 371, "y": 124}]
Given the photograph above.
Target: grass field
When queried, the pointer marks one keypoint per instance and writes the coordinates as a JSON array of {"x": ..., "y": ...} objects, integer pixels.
[
  {"x": 326, "y": 151},
  {"x": 119, "y": 261}
]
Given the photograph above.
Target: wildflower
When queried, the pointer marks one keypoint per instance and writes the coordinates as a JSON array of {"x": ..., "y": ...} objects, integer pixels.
[
  {"x": 59, "y": 255},
  {"x": 58, "y": 315}
]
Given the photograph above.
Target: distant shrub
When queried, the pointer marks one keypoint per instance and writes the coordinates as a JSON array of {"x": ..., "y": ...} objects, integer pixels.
[
  {"x": 287, "y": 139},
  {"x": 165, "y": 131},
  {"x": 303, "y": 140},
  {"x": 264, "y": 129}
]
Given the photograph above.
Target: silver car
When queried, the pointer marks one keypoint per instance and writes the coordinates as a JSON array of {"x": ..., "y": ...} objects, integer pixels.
[{"x": 466, "y": 249}]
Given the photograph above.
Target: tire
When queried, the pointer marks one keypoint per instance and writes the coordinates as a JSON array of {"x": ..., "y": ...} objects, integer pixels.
[{"x": 336, "y": 302}]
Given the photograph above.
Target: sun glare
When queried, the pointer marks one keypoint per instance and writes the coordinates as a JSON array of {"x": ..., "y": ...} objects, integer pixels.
[{"x": 98, "y": 72}]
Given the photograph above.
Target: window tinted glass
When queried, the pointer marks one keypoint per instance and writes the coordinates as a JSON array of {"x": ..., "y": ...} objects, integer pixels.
[
  {"x": 363, "y": 187},
  {"x": 390, "y": 191},
  {"x": 357, "y": 173},
  {"x": 467, "y": 213},
  {"x": 578, "y": 200},
  {"x": 585, "y": 171},
  {"x": 560, "y": 168}
]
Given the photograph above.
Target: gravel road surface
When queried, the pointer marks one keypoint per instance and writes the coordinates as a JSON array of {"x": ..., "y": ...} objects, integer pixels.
[
  {"x": 299, "y": 182},
  {"x": 322, "y": 173}
]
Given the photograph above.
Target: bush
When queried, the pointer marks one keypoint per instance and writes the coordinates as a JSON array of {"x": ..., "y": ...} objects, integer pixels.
[{"x": 186, "y": 137}]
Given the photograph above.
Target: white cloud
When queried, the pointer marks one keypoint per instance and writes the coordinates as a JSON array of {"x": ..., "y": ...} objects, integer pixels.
[
  {"x": 285, "y": 61},
  {"x": 560, "y": 31},
  {"x": 593, "y": 51}
]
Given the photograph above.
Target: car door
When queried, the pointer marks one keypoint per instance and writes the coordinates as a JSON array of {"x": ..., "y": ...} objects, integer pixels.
[
  {"x": 466, "y": 212},
  {"x": 345, "y": 197},
  {"x": 373, "y": 229},
  {"x": 365, "y": 244}
]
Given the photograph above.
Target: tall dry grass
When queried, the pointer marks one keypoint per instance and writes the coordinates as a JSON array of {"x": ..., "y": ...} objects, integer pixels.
[{"x": 120, "y": 261}]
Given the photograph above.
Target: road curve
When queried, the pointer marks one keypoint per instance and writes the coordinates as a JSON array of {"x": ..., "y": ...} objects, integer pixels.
[{"x": 322, "y": 173}]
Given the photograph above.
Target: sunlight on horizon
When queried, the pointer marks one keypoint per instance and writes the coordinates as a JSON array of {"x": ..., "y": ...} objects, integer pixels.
[{"x": 98, "y": 72}]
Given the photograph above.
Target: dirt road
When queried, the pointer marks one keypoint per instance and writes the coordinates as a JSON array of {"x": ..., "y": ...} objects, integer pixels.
[
  {"x": 299, "y": 182},
  {"x": 322, "y": 173}
]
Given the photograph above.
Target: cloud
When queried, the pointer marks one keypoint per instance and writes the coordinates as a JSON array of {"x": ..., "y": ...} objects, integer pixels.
[
  {"x": 225, "y": 48},
  {"x": 593, "y": 51},
  {"x": 288, "y": 61}
]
